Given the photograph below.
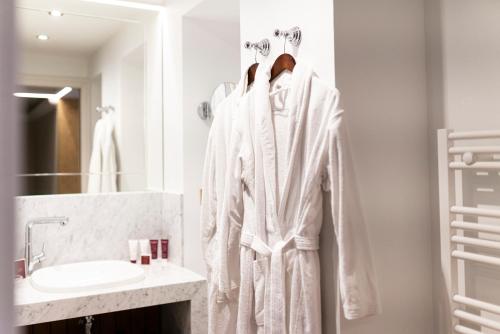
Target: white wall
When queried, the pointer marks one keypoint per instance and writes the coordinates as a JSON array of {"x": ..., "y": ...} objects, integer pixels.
[
  {"x": 463, "y": 81},
  {"x": 472, "y": 64},
  {"x": 436, "y": 107},
  {"x": 132, "y": 102},
  {"x": 209, "y": 59},
  {"x": 197, "y": 58},
  {"x": 8, "y": 159},
  {"x": 259, "y": 19},
  {"x": 173, "y": 78},
  {"x": 380, "y": 70},
  {"x": 472, "y": 102},
  {"x": 155, "y": 101},
  {"x": 173, "y": 113},
  {"x": 48, "y": 64}
]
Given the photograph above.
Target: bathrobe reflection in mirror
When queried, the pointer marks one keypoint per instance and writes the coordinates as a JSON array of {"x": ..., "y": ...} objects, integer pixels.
[
  {"x": 103, "y": 164},
  {"x": 221, "y": 316},
  {"x": 289, "y": 148}
]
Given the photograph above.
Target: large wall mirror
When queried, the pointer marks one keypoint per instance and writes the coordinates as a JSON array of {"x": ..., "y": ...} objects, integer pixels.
[{"x": 89, "y": 92}]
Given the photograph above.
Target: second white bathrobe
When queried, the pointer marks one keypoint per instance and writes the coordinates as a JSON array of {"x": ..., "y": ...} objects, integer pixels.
[
  {"x": 222, "y": 315},
  {"x": 285, "y": 156}
]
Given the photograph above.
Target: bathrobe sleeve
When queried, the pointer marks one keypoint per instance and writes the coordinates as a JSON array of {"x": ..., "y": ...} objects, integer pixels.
[
  {"x": 231, "y": 219},
  {"x": 208, "y": 198},
  {"x": 356, "y": 274}
]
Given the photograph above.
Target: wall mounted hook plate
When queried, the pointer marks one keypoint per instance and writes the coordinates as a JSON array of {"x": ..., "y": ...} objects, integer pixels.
[
  {"x": 204, "y": 111},
  {"x": 293, "y": 35},
  {"x": 263, "y": 46}
]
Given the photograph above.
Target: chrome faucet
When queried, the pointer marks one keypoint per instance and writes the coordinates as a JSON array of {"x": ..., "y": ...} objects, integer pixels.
[{"x": 32, "y": 260}]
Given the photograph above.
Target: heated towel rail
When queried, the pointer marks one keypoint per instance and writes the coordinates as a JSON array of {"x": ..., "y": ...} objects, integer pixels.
[{"x": 457, "y": 233}]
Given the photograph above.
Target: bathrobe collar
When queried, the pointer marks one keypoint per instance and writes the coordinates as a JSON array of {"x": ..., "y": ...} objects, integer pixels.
[
  {"x": 242, "y": 86},
  {"x": 297, "y": 102}
]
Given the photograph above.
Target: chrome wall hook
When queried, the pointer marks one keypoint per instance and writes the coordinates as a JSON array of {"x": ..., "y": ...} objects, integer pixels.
[
  {"x": 204, "y": 111},
  {"x": 105, "y": 109},
  {"x": 264, "y": 46},
  {"x": 293, "y": 35}
]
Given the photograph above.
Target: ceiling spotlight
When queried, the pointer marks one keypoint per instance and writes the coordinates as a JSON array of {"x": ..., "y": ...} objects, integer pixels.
[
  {"x": 55, "y": 12},
  {"x": 42, "y": 37}
]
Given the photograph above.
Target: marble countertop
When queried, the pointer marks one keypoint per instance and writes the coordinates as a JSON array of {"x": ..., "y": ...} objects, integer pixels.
[{"x": 164, "y": 283}]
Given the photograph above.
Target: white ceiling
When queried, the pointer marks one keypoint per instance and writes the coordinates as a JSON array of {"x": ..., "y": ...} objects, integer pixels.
[
  {"x": 68, "y": 35},
  {"x": 87, "y": 24},
  {"x": 84, "y": 27},
  {"x": 91, "y": 8}
]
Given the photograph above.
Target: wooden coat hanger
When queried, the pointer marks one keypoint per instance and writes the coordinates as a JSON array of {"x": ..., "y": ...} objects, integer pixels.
[
  {"x": 282, "y": 63},
  {"x": 286, "y": 61},
  {"x": 252, "y": 70},
  {"x": 263, "y": 47}
]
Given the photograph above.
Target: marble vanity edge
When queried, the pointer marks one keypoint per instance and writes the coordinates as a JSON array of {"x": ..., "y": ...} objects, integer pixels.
[
  {"x": 106, "y": 303},
  {"x": 113, "y": 301}
]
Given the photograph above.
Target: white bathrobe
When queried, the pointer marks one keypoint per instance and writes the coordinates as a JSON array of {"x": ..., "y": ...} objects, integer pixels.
[
  {"x": 220, "y": 94},
  {"x": 289, "y": 149},
  {"x": 94, "y": 180},
  {"x": 221, "y": 316},
  {"x": 103, "y": 165}
]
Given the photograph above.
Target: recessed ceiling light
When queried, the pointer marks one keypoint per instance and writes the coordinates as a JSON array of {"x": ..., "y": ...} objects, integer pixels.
[
  {"x": 55, "y": 12},
  {"x": 42, "y": 37}
]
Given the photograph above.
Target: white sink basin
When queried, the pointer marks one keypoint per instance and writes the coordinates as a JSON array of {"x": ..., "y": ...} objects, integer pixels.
[{"x": 84, "y": 276}]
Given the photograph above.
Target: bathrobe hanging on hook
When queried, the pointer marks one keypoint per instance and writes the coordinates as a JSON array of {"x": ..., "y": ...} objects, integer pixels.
[
  {"x": 103, "y": 161},
  {"x": 288, "y": 150},
  {"x": 221, "y": 316}
]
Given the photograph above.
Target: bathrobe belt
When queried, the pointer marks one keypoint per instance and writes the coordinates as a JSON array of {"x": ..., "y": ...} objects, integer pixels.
[{"x": 275, "y": 280}]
